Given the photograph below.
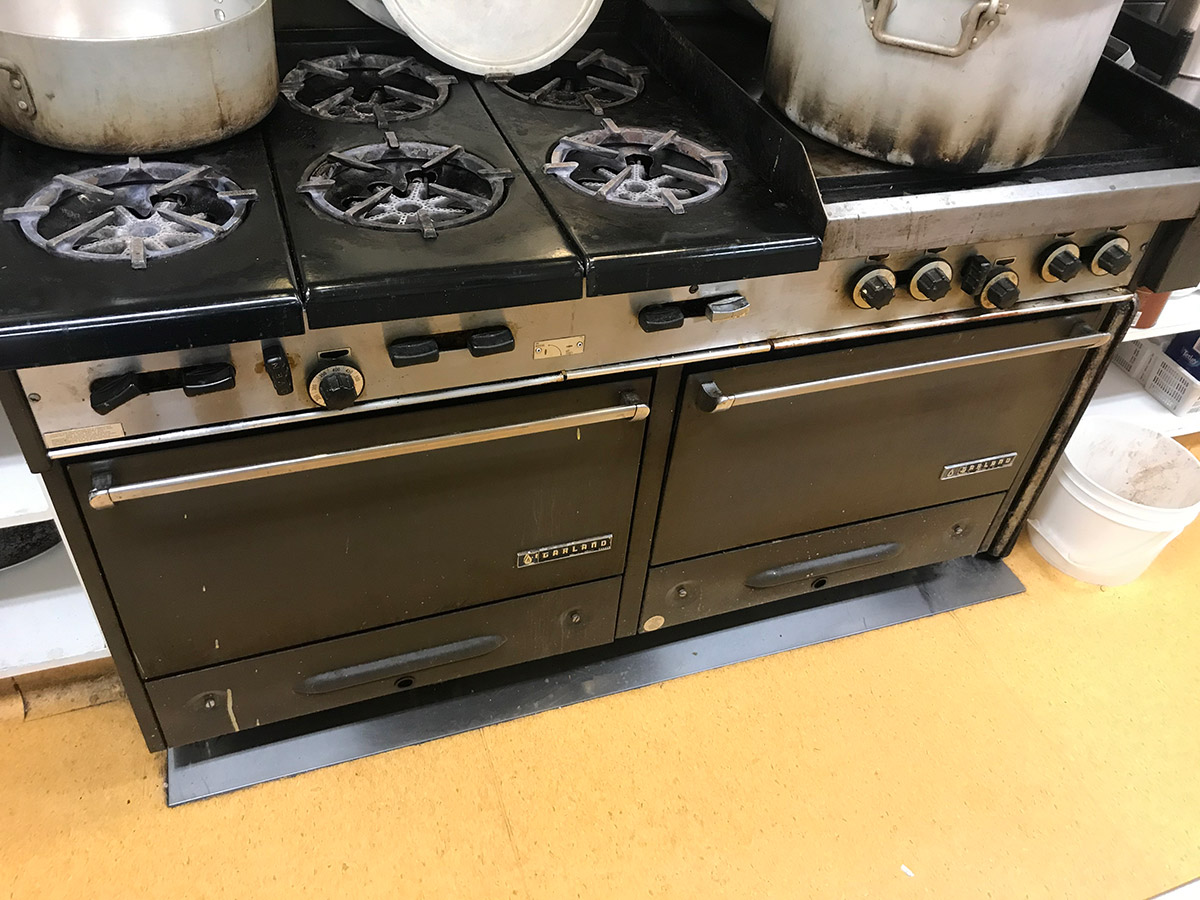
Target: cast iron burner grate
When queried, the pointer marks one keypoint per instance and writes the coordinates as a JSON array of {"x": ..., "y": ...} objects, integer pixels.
[
  {"x": 595, "y": 83},
  {"x": 375, "y": 88},
  {"x": 137, "y": 212},
  {"x": 405, "y": 186},
  {"x": 639, "y": 167}
]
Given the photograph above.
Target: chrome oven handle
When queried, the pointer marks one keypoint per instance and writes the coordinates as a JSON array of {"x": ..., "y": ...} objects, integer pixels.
[
  {"x": 713, "y": 400},
  {"x": 103, "y": 496}
]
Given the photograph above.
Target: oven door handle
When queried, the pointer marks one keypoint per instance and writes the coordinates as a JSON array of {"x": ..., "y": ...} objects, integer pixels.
[
  {"x": 713, "y": 400},
  {"x": 104, "y": 495}
]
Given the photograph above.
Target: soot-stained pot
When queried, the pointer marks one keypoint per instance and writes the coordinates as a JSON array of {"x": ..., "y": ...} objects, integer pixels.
[{"x": 970, "y": 85}]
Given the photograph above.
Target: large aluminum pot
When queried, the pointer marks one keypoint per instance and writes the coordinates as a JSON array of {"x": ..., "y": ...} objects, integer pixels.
[
  {"x": 972, "y": 85},
  {"x": 135, "y": 76}
]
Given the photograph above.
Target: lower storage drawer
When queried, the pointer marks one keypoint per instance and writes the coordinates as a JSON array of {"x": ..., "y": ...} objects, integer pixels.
[
  {"x": 198, "y": 705},
  {"x": 724, "y": 582}
]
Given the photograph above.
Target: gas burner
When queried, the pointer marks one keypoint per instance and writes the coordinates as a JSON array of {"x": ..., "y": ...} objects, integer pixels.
[
  {"x": 587, "y": 83},
  {"x": 405, "y": 186},
  {"x": 639, "y": 167},
  {"x": 137, "y": 211},
  {"x": 366, "y": 88}
]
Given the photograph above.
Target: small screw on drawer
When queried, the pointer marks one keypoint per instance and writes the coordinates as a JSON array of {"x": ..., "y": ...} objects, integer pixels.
[
  {"x": 681, "y": 593},
  {"x": 958, "y": 530},
  {"x": 575, "y": 618},
  {"x": 210, "y": 702}
]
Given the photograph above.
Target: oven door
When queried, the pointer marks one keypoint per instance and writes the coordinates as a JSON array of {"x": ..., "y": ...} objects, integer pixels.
[
  {"x": 789, "y": 447},
  {"x": 232, "y": 548}
]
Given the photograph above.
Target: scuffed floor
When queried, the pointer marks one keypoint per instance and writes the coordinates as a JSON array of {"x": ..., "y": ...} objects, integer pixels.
[{"x": 1045, "y": 745}]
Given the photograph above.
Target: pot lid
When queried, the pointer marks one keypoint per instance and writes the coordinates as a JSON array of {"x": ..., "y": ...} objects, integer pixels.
[{"x": 500, "y": 36}]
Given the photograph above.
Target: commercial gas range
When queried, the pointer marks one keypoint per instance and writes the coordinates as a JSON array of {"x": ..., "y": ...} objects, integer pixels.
[{"x": 431, "y": 375}]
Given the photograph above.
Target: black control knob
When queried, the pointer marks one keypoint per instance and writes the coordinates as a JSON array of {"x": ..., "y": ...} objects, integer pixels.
[
  {"x": 931, "y": 279},
  {"x": 413, "y": 351},
  {"x": 115, "y": 390},
  {"x": 337, "y": 390},
  {"x": 336, "y": 387},
  {"x": 873, "y": 288},
  {"x": 663, "y": 317},
  {"x": 1002, "y": 290},
  {"x": 489, "y": 341},
  {"x": 1111, "y": 256},
  {"x": 1062, "y": 263},
  {"x": 975, "y": 274},
  {"x": 278, "y": 368}
]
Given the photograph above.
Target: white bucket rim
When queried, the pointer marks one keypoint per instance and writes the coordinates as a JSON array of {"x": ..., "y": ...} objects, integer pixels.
[{"x": 1135, "y": 511}]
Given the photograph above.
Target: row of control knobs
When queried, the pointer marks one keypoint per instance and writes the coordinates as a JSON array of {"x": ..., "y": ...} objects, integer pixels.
[
  {"x": 992, "y": 285},
  {"x": 339, "y": 385}
]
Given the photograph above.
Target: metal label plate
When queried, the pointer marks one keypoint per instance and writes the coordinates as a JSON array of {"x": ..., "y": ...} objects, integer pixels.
[
  {"x": 979, "y": 466},
  {"x": 93, "y": 434},
  {"x": 556, "y": 552},
  {"x": 568, "y": 346}
]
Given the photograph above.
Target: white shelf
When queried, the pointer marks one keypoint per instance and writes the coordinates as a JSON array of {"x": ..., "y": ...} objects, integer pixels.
[
  {"x": 1182, "y": 313},
  {"x": 1121, "y": 397},
  {"x": 22, "y": 497},
  {"x": 45, "y": 618}
]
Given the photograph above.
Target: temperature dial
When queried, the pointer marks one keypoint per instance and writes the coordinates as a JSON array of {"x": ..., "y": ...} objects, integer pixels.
[
  {"x": 873, "y": 288},
  {"x": 1062, "y": 263},
  {"x": 336, "y": 387},
  {"x": 1111, "y": 256},
  {"x": 931, "y": 279}
]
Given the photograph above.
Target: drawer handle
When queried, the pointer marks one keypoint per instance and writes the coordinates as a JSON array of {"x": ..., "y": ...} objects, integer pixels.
[
  {"x": 395, "y": 666},
  {"x": 826, "y": 565},
  {"x": 104, "y": 495},
  {"x": 713, "y": 400}
]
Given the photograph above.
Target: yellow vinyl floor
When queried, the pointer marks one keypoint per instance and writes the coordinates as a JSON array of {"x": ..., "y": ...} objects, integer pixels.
[{"x": 1045, "y": 745}]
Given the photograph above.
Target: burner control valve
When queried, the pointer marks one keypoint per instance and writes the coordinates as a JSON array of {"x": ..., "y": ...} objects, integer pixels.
[
  {"x": 992, "y": 286},
  {"x": 873, "y": 287},
  {"x": 1062, "y": 263},
  {"x": 1111, "y": 256},
  {"x": 931, "y": 279}
]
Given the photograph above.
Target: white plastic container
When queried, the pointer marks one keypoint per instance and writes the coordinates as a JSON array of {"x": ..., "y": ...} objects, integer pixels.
[
  {"x": 1119, "y": 496},
  {"x": 1135, "y": 357},
  {"x": 1171, "y": 384}
]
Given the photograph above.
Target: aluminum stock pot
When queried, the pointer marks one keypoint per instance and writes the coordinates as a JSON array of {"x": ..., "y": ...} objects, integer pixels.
[
  {"x": 972, "y": 85},
  {"x": 135, "y": 76}
]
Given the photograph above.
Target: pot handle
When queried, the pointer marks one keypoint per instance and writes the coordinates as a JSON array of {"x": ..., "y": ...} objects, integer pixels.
[
  {"x": 17, "y": 88},
  {"x": 978, "y": 22}
]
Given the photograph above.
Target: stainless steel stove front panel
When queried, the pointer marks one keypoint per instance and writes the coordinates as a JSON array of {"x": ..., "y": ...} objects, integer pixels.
[
  {"x": 594, "y": 334},
  {"x": 887, "y": 224}
]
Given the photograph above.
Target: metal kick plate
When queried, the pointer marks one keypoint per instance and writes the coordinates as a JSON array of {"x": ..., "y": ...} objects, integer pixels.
[{"x": 568, "y": 346}]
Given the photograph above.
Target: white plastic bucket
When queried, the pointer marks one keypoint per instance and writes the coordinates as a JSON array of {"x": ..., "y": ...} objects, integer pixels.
[{"x": 1119, "y": 496}]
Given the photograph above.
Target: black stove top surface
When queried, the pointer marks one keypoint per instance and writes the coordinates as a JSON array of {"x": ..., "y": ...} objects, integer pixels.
[
  {"x": 402, "y": 198},
  {"x": 681, "y": 208},
  {"x": 112, "y": 256}
]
